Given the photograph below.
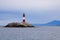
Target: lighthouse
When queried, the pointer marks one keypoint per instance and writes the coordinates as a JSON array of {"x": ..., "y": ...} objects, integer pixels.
[
  {"x": 22, "y": 24},
  {"x": 23, "y": 18}
]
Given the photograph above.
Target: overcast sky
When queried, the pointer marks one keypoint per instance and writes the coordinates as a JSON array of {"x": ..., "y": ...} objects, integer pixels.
[{"x": 37, "y": 11}]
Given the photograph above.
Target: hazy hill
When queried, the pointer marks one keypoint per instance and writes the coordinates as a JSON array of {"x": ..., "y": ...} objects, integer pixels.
[{"x": 52, "y": 23}]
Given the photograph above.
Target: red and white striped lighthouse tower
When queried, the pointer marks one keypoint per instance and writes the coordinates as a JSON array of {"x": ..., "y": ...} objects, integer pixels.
[{"x": 23, "y": 18}]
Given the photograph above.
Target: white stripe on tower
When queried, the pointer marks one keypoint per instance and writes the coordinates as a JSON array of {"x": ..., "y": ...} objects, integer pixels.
[{"x": 24, "y": 17}]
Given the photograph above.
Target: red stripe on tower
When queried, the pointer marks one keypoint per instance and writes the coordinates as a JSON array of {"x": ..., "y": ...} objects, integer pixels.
[{"x": 23, "y": 17}]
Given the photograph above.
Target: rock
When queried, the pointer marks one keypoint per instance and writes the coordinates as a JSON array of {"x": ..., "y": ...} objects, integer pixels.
[{"x": 19, "y": 25}]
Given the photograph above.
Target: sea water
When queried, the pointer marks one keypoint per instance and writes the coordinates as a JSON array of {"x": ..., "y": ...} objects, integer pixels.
[{"x": 37, "y": 33}]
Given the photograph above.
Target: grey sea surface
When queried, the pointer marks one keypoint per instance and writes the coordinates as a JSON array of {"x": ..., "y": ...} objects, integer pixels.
[{"x": 37, "y": 33}]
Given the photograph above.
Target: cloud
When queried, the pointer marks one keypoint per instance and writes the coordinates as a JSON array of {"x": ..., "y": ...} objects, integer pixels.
[
  {"x": 38, "y": 11},
  {"x": 29, "y": 4}
]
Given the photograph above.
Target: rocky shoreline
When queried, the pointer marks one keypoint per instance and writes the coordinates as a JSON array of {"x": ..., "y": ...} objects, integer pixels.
[{"x": 19, "y": 25}]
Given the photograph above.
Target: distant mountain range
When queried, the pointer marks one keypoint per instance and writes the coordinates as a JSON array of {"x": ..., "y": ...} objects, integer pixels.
[{"x": 52, "y": 23}]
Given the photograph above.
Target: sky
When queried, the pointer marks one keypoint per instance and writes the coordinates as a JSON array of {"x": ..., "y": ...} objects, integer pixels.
[{"x": 37, "y": 11}]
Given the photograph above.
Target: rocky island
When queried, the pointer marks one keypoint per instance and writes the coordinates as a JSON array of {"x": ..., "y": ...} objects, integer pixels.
[
  {"x": 19, "y": 25},
  {"x": 22, "y": 24}
]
